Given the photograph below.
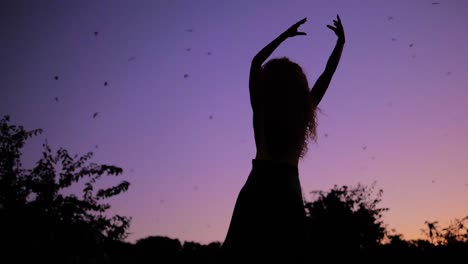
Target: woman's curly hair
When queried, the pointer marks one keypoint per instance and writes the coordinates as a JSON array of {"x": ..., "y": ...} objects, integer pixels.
[{"x": 289, "y": 114}]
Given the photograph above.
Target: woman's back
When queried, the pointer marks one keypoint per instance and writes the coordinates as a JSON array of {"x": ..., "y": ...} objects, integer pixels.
[{"x": 284, "y": 118}]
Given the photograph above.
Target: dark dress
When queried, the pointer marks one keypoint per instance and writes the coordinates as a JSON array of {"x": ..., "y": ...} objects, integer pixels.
[{"x": 268, "y": 222}]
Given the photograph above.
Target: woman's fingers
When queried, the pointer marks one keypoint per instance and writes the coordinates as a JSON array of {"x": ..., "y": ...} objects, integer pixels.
[
  {"x": 293, "y": 30},
  {"x": 339, "y": 21},
  {"x": 337, "y": 24},
  {"x": 331, "y": 27},
  {"x": 302, "y": 21},
  {"x": 298, "y": 24}
]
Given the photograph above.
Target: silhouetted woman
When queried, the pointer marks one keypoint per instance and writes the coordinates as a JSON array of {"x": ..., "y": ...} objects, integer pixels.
[{"x": 268, "y": 222}]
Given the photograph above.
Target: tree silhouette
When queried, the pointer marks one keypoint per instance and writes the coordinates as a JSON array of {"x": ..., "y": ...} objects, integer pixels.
[
  {"x": 432, "y": 232},
  {"x": 455, "y": 233},
  {"x": 156, "y": 249},
  {"x": 161, "y": 249},
  {"x": 36, "y": 214},
  {"x": 345, "y": 221},
  {"x": 46, "y": 223},
  {"x": 193, "y": 252}
]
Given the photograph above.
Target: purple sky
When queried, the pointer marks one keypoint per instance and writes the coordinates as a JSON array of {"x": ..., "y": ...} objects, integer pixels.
[{"x": 395, "y": 112}]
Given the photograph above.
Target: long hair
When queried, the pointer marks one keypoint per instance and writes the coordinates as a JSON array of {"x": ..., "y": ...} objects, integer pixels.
[{"x": 289, "y": 115}]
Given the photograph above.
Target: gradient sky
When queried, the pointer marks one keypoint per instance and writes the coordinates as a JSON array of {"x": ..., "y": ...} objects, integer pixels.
[{"x": 395, "y": 112}]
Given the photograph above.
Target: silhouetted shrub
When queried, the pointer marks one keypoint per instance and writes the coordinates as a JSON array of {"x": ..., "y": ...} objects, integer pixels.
[
  {"x": 39, "y": 219},
  {"x": 345, "y": 222},
  {"x": 158, "y": 249}
]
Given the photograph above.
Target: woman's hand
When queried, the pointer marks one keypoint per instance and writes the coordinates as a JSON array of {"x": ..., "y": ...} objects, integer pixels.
[
  {"x": 292, "y": 31},
  {"x": 338, "y": 28}
]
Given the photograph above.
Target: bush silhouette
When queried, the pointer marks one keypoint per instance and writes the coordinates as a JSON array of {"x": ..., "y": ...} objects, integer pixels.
[
  {"x": 155, "y": 249},
  {"x": 345, "y": 221},
  {"x": 37, "y": 216}
]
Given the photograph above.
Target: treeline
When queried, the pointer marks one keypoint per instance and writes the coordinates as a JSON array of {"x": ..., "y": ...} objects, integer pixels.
[{"x": 40, "y": 223}]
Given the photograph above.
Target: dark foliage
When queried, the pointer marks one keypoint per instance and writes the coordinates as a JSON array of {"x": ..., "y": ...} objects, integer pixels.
[
  {"x": 41, "y": 221},
  {"x": 345, "y": 221},
  {"x": 36, "y": 216}
]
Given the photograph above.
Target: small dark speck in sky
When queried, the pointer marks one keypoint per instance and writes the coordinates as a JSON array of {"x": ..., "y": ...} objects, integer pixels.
[
  {"x": 433, "y": 181},
  {"x": 131, "y": 58},
  {"x": 95, "y": 33},
  {"x": 95, "y": 114},
  {"x": 189, "y": 30},
  {"x": 364, "y": 147},
  {"x": 56, "y": 99},
  {"x": 188, "y": 49},
  {"x": 435, "y": 3},
  {"x": 373, "y": 158},
  {"x": 394, "y": 39},
  {"x": 105, "y": 83},
  {"x": 411, "y": 45},
  {"x": 208, "y": 53},
  {"x": 186, "y": 76},
  {"x": 195, "y": 188},
  {"x": 96, "y": 146},
  {"x": 413, "y": 56},
  {"x": 448, "y": 73},
  {"x": 210, "y": 117},
  {"x": 161, "y": 201},
  {"x": 326, "y": 135},
  {"x": 390, "y": 18},
  {"x": 55, "y": 77}
]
